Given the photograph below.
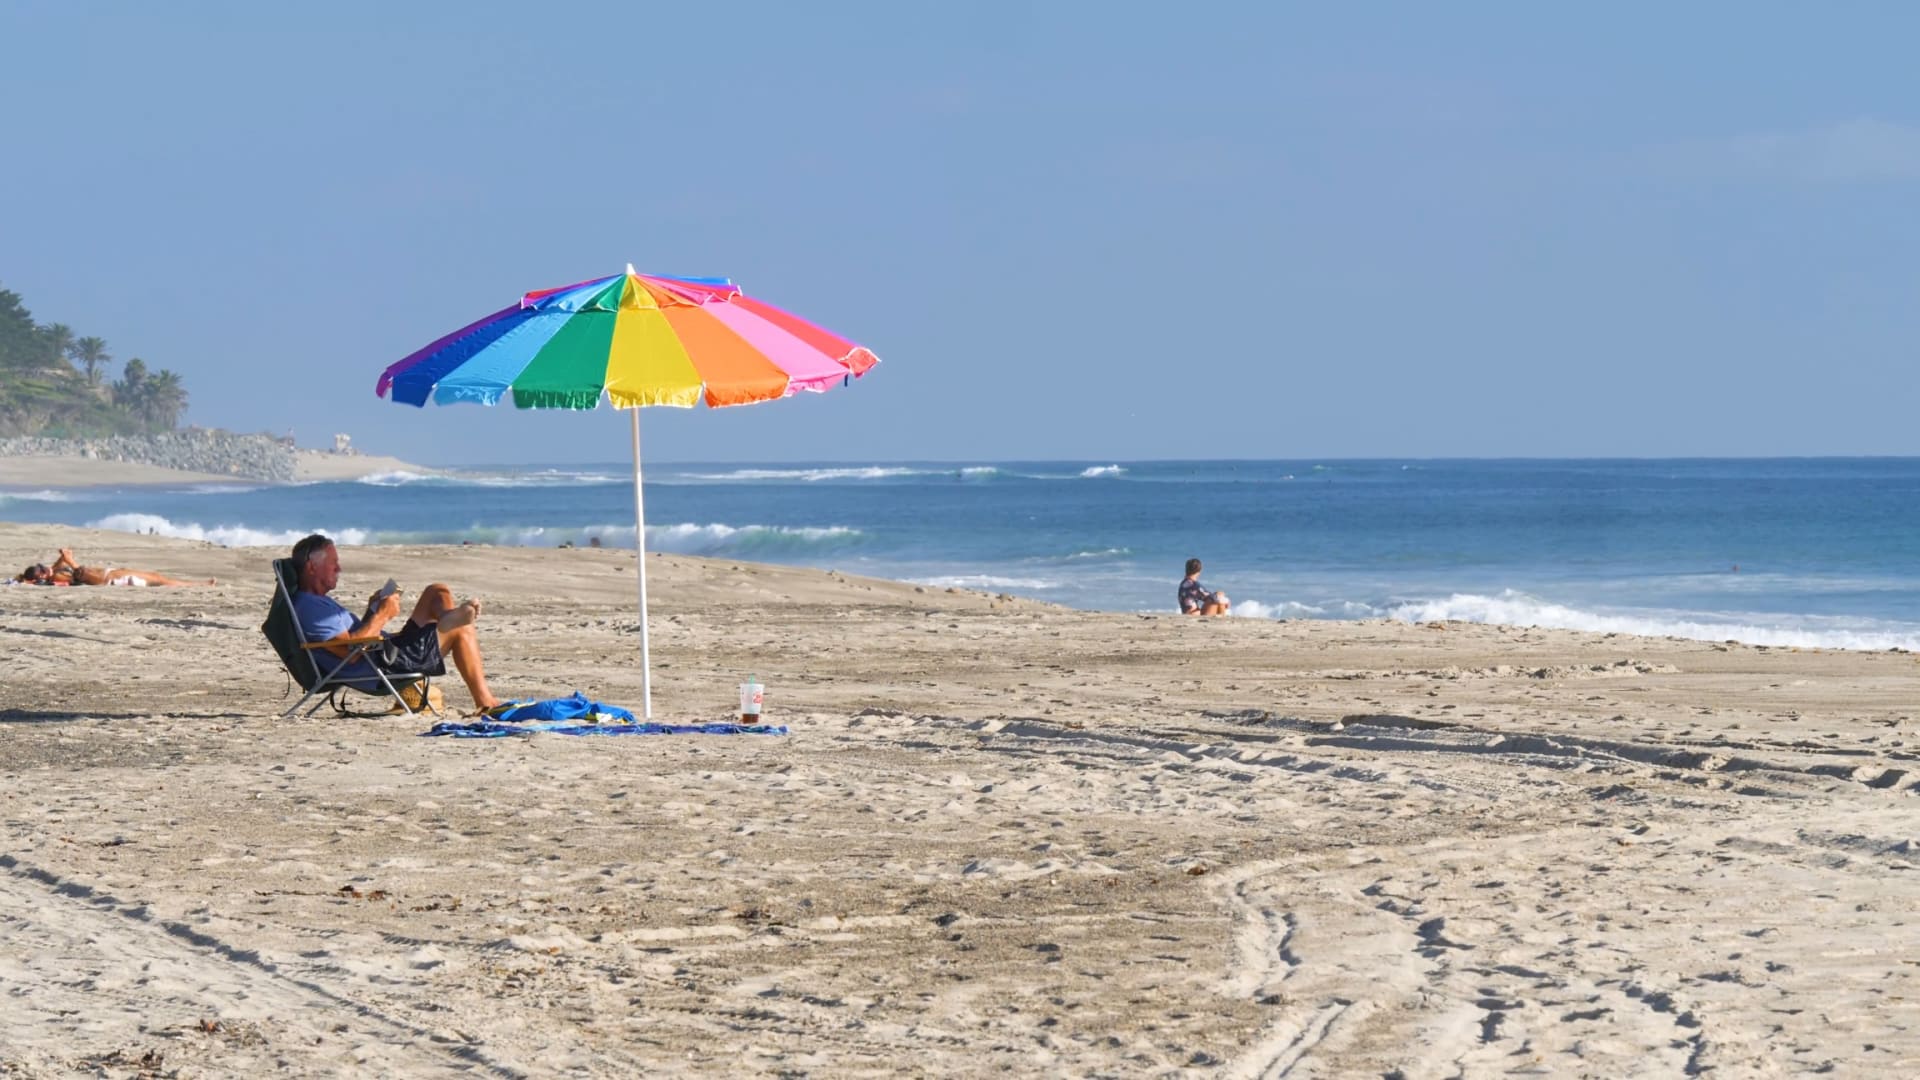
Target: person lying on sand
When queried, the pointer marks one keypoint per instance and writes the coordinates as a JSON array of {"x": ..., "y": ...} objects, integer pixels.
[
  {"x": 66, "y": 570},
  {"x": 39, "y": 574},
  {"x": 1197, "y": 599},
  {"x": 438, "y": 628}
]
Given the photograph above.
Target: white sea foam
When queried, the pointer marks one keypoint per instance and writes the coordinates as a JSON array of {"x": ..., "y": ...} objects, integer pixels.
[
  {"x": 692, "y": 539},
  {"x": 1515, "y": 608},
  {"x": 517, "y": 536},
  {"x": 1103, "y": 553},
  {"x": 36, "y": 496},
  {"x": 1285, "y": 609},
  {"x": 1102, "y": 470},
  {"x": 224, "y": 535},
  {"x": 986, "y": 581},
  {"x": 542, "y": 478},
  {"x": 863, "y": 472},
  {"x": 221, "y": 489},
  {"x": 394, "y": 479},
  {"x": 979, "y": 472},
  {"x": 685, "y": 538},
  {"x": 768, "y": 541}
]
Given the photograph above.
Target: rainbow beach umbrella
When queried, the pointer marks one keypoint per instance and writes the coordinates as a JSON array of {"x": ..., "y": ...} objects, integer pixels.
[{"x": 634, "y": 339}]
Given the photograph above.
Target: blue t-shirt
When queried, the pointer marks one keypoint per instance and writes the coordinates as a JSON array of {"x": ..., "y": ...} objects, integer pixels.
[
  {"x": 1193, "y": 595},
  {"x": 321, "y": 619}
]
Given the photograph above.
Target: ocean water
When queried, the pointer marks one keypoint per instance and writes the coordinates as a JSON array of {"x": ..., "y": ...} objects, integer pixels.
[{"x": 1807, "y": 552}]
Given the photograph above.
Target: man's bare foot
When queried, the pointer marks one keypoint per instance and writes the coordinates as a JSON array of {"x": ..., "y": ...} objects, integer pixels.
[{"x": 464, "y": 615}]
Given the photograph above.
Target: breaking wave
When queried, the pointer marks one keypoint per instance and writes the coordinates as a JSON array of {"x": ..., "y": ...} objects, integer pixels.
[
  {"x": 1103, "y": 553},
  {"x": 37, "y": 496},
  {"x": 1286, "y": 609},
  {"x": 1513, "y": 608},
  {"x": 537, "y": 478},
  {"x": 748, "y": 540},
  {"x": 986, "y": 581},
  {"x": 224, "y": 535},
  {"x": 860, "y": 472},
  {"x": 397, "y": 478}
]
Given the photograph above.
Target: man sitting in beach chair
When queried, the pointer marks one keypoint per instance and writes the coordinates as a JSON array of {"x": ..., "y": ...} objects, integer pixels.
[
  {"x": 332, "y": 682},
  {"x": 358, "y": 653}
]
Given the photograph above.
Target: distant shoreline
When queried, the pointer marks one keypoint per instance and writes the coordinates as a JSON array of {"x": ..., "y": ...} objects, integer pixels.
[
  {"x": 310, "y": 466},
  {"x": 315, "y": 465}
]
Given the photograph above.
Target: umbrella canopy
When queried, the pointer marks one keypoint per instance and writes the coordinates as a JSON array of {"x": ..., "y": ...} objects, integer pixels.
[
  {"x": 634, "y": 339},
  {"x": 642, "y": 339}
]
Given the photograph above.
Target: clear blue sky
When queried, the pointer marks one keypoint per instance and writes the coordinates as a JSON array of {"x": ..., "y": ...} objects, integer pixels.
[{"x": 1070, "y": 230}]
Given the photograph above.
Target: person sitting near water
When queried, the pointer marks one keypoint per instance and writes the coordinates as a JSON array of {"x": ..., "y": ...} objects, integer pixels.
[
  {"x": 66, "y": 570},
  {"x": 1197, "y": 599},
  {"x": 438, "y": 628}
]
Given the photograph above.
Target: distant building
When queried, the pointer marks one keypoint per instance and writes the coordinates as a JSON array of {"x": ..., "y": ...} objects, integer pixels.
[{"x": 343, "y": 444}]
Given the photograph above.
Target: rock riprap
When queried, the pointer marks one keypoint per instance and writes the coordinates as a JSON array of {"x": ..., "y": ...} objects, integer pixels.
[{"x": 201, "y": 450}]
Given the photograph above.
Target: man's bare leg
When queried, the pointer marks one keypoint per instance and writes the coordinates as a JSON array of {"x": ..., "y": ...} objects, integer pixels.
[
  {"x": 436, "y": 607},
  {"x": 435, "y": 600},
  {"x": 462, "y": 645},
  {"x": 458, "y": 640}
]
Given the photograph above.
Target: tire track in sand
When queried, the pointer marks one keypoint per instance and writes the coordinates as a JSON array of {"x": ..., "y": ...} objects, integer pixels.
[{"x": 109, "y": 974}]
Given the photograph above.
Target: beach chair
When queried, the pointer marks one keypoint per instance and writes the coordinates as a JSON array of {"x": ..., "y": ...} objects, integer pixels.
[{"x": 283, "y": 632}]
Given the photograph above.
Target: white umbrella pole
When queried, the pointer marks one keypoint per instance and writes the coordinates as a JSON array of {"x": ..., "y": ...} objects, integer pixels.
[{"x": 640, "y": 572}]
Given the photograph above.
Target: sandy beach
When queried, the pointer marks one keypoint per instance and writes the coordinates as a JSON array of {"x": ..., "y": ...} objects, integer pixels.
[
  {"x": 1002, "y": 837},
  {"x": 55, "y": 472},
  {"x": 316, "y": 465}
]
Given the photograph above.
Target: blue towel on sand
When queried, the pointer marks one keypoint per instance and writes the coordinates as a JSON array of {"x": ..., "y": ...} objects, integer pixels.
[
  {"x": 575, "y": 715},
  {"x": 575, "y": 707}
]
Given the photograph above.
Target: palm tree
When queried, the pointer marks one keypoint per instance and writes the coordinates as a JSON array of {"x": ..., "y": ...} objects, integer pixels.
[
  {"x": 92, "y": 354},
  {"x": 165, "y": 400},
  {"x": 131, "y": 390},
  {"x": 60, "y": 340}
]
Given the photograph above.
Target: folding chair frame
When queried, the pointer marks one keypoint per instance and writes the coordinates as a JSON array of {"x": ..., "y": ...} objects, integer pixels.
[{"x": 329, "y": 684}]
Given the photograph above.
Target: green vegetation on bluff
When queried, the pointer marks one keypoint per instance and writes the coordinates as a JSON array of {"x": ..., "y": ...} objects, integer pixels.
[{"x": 54, "y": 382}]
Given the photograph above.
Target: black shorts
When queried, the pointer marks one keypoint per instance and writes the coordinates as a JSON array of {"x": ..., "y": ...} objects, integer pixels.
[{"x": 413, "y": 651}]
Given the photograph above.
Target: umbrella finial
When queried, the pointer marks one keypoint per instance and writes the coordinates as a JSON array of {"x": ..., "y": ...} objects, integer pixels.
[{"x": 631, "y": 272}]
